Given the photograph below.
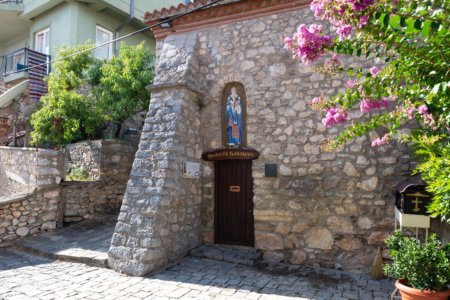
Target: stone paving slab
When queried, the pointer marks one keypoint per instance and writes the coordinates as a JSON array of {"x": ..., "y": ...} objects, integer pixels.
[
  {"x": 25, "y": 276},
  {"x": 86, "y": 242}
]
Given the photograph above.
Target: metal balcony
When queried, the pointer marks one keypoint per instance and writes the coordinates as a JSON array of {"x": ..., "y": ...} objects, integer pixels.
[
  {"x": 11, "y": 1},
  {"x": 15, "y": 65}
]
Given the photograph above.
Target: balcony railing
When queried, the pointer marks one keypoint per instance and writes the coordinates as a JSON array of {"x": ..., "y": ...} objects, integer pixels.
[
  {"x": 11, "y": 1},
  {"x": 19, "y": 60}
]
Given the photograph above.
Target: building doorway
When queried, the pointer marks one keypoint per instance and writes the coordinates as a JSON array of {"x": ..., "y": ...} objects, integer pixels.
[{"x": 233, "y": 210}]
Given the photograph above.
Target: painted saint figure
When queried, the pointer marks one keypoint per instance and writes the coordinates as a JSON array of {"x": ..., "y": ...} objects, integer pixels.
[{"x": 234, "y": 118}]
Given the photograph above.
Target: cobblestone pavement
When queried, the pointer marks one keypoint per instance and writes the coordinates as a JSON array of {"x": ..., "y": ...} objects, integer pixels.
[{"x": 24, "y": 276}]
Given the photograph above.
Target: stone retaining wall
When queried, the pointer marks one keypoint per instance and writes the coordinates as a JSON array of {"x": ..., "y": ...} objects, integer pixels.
[
  {"x": 31, "y": 200},
  {"x": 28, "y": 168},
  {"x": 93, "y": 199},
  {"x": 84, "y": 154},
  {"x": 29, "y": 213}
]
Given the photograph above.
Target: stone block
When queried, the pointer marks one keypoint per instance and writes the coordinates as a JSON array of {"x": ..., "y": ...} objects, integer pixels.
[
  {"x": 298, "y": 257},
  {"x": 282, "y": 228},
  {"x": 273, "y": 257},
  {"x": 369, "y": 184},
  {"x": 349, "y": 244},
  {"x": 377, "y": 237},
  {"x": 350, "y": 170},
  {"x": 340, "y": 225},
  {"x": 268, "y": 241},
  {"x": 292, "y": 241},
  {"x": 22, "y": 231},
  {"x": 300, "y": 226},
  {"x": 365, "y": 223},
  {"x": 49, "y": 225},
  {"x": 273, "y": 215},
  {"x": 319, "y": 238}
]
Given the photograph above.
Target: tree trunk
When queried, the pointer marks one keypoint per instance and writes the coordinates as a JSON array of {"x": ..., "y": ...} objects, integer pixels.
[{"x": 117, "y": 127}]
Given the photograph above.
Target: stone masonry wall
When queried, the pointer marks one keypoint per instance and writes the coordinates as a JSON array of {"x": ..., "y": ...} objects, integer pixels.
[
  {"x": 160, "y": 216},
  {"x": 85, "y": 155},
  {"x": 327, "y": 209},
  {"x": 29, "y": 192},
  {"x": 28, "y": 213},
  {"x": 28, "y": 168},
  {"x": 94, "y": 199}
]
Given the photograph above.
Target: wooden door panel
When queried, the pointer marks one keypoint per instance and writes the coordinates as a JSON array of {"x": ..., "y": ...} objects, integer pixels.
[{"x": 234, "y": 203}]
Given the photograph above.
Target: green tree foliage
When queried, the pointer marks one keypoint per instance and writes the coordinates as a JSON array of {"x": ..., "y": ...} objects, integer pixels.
[
  {"x": 79, "y": 113},
  {"x": 122, "y": 81},
  {"x": 85, "y": 92}
]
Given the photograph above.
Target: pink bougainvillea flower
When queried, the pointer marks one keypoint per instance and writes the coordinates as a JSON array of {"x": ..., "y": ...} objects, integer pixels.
[
  {"x": 288, "y": 43},
  {"x": 334, "y": 62},
  {"x": 381, "y": 141},
  {"x": 342, "y": 10},
  {"x": 384, "y": 103},
  {"x": 410, "y": 113},
  {"x": 363, "y": 20},
  {"x": 360, "y": 5},
  {"x": 374, "y": 71},
  {"x": 316, "y": 100},
  {"x": 351, "y": 83},
  {"x": 344, "y": 32},
  {"x": 367, "y": 105},
  {"x": 423, "y": 109},
  {"x": 311, "y": 43},
  {"x": 334, "y": 116},
  {"x": 317, "y": 8}
]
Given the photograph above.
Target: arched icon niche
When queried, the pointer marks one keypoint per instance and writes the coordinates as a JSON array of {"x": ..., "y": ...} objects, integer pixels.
[{"x": 234, "y": 115}]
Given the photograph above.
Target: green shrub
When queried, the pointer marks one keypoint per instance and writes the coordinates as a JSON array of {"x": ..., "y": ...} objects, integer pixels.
[
  {"x": 78, "y": 174},
  {"x": 425, "y": 266}
]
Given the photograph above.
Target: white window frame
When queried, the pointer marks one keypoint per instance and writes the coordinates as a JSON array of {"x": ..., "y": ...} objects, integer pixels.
[
  {"x": 110, "y": 45},
  {"x": 46, "y": 40}
]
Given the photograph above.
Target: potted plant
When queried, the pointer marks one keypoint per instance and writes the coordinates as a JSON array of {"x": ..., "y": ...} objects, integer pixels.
[{"x": 422, "y": 269}]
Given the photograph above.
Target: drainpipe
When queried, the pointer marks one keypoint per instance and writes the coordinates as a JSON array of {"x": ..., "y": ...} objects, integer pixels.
[{"x": 116, "y": 32}]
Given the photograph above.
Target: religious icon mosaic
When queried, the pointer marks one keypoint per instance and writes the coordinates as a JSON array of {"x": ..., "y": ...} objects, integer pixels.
[
  {"x": 234, "y": 118},
  {"x": 233, "y": 104}
]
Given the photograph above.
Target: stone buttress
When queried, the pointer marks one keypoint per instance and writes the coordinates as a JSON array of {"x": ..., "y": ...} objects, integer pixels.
[{"x": 160, "y": 215}]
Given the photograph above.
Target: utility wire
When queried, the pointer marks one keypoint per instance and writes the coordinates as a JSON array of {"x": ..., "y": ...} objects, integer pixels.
[{"x": 114, "y": 40}]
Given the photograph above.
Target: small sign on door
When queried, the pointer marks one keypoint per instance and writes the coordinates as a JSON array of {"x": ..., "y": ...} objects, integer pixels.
[{"x": 235, "y": 188}]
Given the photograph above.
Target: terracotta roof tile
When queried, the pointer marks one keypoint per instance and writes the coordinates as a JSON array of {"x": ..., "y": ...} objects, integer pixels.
[{"x": 180, "y": 9}]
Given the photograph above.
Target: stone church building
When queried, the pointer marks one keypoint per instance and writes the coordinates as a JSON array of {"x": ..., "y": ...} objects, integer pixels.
[{"x": 230, "y": 151}]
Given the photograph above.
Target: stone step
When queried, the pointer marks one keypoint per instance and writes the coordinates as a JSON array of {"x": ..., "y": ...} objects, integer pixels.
[
  {"x": 71, "y": 255},
  {"x": 86, "y": 242},
  {"x": 239, "y": 255}
]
